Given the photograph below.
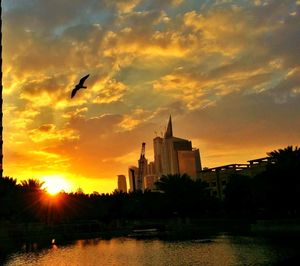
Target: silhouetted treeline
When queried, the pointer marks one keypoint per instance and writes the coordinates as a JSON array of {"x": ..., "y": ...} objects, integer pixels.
[
  {"x": 27, "y": 202},
  {"x": 272, "y": 193}
]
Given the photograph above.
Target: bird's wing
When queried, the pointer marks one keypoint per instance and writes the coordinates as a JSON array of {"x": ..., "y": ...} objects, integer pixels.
[
  {"x": 82, "y": 80},
  {"x": 74, "y": 92}
]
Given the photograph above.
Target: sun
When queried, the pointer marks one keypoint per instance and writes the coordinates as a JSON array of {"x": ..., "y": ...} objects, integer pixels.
[{"x": 55, "y": 184}]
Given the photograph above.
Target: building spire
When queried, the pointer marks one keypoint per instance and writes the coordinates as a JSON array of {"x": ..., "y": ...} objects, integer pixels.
[{"x": 169, "y": 131}]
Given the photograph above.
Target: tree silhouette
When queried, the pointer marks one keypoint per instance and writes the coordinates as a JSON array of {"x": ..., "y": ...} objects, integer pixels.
[
  {"x": 282, "y": 176},
  {"x": 8, "y": 191},
  {"x": 272, "y": 193},
  {"x": 32, "y": 185},
  {"x": 31, "y": 201},
  {"x": 175, "y": 185},
  {"x": 285, "y": 157},
  {"x": 185, "y": 196},
  {"x": 7, "y": 183},
  {"x": 238, "y": 195}
]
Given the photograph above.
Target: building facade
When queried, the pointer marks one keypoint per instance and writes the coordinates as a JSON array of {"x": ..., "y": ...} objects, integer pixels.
[
  {"x": 218, "y": 177},
  {"x": 132, "y": 174},
  {"x": 174, "y": 155},
  {"x": 122, "y": 185}
]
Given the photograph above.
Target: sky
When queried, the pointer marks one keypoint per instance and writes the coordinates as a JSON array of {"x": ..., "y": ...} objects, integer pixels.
[{"x": 227, "y": 71}]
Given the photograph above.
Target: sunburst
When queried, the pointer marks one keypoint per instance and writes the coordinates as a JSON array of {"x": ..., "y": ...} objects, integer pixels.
[{"x": 54, "y": 184}]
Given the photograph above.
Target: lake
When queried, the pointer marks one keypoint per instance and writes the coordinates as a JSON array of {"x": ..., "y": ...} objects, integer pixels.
[{"x": 221, "y": 250}]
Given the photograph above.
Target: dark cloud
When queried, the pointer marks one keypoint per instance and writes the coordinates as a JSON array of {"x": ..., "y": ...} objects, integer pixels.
[{"x": 51, "y": 85}]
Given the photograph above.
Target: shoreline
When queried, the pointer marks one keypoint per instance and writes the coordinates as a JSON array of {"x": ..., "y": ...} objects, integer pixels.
[{"x": 177, "y": 226}]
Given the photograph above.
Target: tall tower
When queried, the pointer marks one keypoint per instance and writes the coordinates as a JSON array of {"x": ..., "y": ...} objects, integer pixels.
[
  {"x": 122, "y": 185},
  {"x": 132, "y": 176},
  {"x": 142, "y": 168},
  {"x": 173, "y": 155},
  {"x": 1, "y": 100},
  {"x": 158, "y": 154},
  {"x": 169, "y": 131}
]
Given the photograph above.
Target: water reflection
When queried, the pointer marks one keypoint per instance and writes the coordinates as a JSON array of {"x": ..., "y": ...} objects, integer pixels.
[{"x": 223, "y": 250}]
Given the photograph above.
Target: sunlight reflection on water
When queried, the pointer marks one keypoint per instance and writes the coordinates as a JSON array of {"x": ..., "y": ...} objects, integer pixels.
[{"x": 224, "y": 250}]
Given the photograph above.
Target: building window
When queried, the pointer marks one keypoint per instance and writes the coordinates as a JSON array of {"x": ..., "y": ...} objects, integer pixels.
[
  {"x": 224, "y": 182},
  {"x": 213, "y": 184}
]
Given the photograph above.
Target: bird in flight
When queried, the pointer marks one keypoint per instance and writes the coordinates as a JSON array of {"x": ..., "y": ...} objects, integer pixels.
[{"x": 79, "y": 86}]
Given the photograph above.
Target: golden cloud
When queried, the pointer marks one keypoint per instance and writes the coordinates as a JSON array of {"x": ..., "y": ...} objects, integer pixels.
[
  {"x": 77, "y": 113},
  {"x": 48, "y": 132},
  {"x": 111, "y": 91},
  {"x": 146, "y": 59},
  {"x": 126, "y": 6}
]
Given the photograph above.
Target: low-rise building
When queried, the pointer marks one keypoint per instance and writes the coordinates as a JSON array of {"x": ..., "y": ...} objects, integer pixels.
[{"x": 218, "y": 177}]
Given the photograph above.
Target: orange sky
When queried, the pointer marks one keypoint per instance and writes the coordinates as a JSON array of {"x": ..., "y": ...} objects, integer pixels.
[{"x": 227, "y": 71}]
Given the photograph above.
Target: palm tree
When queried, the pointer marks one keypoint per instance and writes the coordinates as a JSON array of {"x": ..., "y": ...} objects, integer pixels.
[
  {"x": 32, "y": 185},
  {"x": 32, "y": 205},
  {"x": 174, "y": 185},
  {"x": 283, "y": 178},
  {"x": 8, "y": 181},
  {"x": 184, "y": 196},
  {"x": 286, "y": 155}
]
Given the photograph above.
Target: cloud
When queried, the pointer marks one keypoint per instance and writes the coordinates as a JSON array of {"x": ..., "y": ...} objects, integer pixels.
[
  {"x": 42, "y": 16},
  {"x": 49, "y": 132},
  {"x": 100, "y": 140},
  {"x": 245, "y": 121},
  {"x": 136, "y": 118},
  {"x": 77, "y": 113},
  {"x": 111, "y": 91},
  {"x": 124, "y": 6},
  {"x": 227, "y": 71}
]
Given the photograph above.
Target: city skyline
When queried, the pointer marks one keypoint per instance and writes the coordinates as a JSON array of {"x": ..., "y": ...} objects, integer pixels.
[
  {"x": 227, "y": 71},
  {"x": 172, "y": 155}
]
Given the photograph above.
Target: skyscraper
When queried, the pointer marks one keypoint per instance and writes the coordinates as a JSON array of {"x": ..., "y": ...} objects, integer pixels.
[
  {"x": 158, "y": 154},
  {"x": 174, "y": 155},
  {"x": 142, "y": 169},
  {"x": 132, "y": 174},
  {"x": 122, "y": 185}
]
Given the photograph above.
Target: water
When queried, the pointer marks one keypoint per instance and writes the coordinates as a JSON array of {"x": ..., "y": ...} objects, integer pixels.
[{"x": 222, "y": 250}]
